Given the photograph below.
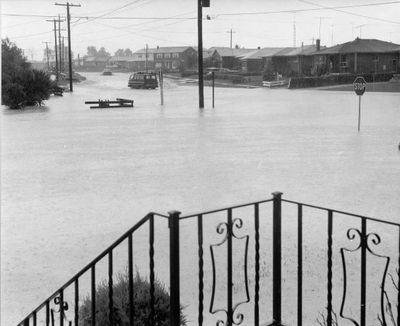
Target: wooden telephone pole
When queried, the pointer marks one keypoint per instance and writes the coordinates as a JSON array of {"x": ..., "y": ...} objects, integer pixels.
[
  {"x": 55, "y": 44},
  {"x": 69, "y": 40},
  {"x": 47, "y": 55}
]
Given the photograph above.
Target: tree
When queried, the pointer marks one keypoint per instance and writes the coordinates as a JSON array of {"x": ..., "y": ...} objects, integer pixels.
[
  {"x": 103, "y": 53},
  {"x": 91, "y": 51},
  {"x": 128, "y": 52},
  {"x": 21, "y": 85},
  {"x": 119, "y": 53}
]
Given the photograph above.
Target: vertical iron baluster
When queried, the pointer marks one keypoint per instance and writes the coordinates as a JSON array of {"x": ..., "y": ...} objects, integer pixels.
[
  {"x": 34, "y": 317},
  {"x": 26, "y": 322},
  {"x": 110, "y": 288},
  {"x": 299, "y": 265},
  {"x": 130, "y": 271},
  {"x": 61, "y": 307},
  {"x": 76, "y": 302},
  {"x": 229, "y": 266},
  {"x": 363, "y": 269},
  {"x": 174, "y": 268},
  {"x": 398, "y": 285},
  {"x": 257, "y": 264},
  {"x": 93, "y": 289},
  {"x": 151, "y": 257},
  {"x": 277, "y": 259},
  {"x": 201, "y": 264},
  {"x": 47, "y": 313},
  {"x": 329, "y": 296}
]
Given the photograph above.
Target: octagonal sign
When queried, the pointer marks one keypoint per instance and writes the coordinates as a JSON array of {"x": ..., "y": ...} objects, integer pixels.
[{"x": 359, "y": 85}]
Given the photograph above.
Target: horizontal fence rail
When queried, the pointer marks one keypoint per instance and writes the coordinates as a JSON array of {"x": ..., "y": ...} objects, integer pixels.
[{"x": 243, "y": 261}]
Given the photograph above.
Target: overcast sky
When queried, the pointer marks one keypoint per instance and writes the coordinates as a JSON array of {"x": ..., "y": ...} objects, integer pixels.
[{"x": 118, "y": 24}]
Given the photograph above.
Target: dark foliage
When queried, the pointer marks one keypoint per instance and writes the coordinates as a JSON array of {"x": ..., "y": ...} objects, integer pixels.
[
  {"x": 21, "y": 85},
  {"x": 121, "y": 304}
]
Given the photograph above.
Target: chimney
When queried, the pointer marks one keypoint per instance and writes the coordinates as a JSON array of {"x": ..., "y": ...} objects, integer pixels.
[
  {"x": 302, "y": 44},
  {"x": 258, "y": 47},
  {"x": 318, "y": 44},
  {"x": 158, "y": 47}
]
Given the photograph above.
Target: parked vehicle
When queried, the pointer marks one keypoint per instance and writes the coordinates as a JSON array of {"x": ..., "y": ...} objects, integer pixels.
[
  {"x": 143, "y": 80},
  {"x": 107, "y": 72}
]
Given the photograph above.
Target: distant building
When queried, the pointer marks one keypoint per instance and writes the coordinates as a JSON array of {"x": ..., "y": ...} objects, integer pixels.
[
  {"x": 295, "y": 61},
  {"x": 255, "y": 61},
  {"x": 175, "y": 58},
  {"x": 358, "y": 56},
  {"x": 211, "y": 58},
  {"x": 95, "y": 63},
  {"x": 230, "y": 57},
  {"x": 136, "y": 62}
]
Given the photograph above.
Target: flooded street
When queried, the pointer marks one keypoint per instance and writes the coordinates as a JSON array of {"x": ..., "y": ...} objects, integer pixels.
[{"x": 74, "y": 179}]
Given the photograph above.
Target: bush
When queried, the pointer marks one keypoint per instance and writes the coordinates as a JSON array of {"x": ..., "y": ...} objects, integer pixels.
[
  {"x": 336, "y": 79},
  {"x": 21, "y": 85},
  {"x": 141, "y": 291}
]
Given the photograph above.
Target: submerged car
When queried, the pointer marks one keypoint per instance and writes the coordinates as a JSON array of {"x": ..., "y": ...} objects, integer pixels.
[{"x": 143, "y": 80}]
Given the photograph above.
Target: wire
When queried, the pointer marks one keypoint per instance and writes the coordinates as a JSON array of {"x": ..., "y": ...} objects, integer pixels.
[
  {"x": 351, "y": 13},
  {"x": 309, "y": 9}
]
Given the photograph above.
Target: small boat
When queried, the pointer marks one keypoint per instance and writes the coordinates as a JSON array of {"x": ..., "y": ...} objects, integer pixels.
[{"x": 106, "y": 72}]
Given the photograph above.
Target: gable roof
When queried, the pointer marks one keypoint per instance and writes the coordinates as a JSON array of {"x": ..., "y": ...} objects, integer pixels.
[
  {"x": 262, "y": 53},
  {"x": 295, "y": 51},
  {"x": 228, "y": 52},
  {"x": 362, "y": 46},
  {"x": 165, "y": 49}
]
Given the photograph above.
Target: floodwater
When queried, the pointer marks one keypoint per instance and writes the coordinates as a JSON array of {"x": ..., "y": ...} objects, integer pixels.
[{"x": 74, "y": 179}]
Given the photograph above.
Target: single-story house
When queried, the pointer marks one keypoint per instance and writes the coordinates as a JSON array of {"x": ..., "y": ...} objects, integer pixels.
[
  {"x": 295, "y": 61},
  {"x": 255, "y": 61},
  {"x": 359, "y": 56},
  {"x": 95, "y": 62},
  {"x": 230, "y": 57}
]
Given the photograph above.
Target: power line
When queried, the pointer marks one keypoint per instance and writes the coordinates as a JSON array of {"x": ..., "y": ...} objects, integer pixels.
[{"x": 338, "y": 9}]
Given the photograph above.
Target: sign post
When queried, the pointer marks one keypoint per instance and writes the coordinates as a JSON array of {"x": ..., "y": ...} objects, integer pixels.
[{"x": 359, "y": 88}]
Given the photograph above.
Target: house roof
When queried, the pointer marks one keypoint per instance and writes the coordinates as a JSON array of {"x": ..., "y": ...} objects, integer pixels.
[
  {"x": 264, "y": 52},
  {"x": 95, "y": 59},
  {"x": 228, "y": 52},
  {"x": 295, "y": 51},
  {"x": 362, "y": 46},
  {"x": 165, "y": 49}
]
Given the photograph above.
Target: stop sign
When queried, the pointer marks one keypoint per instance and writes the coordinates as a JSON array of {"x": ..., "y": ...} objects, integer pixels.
[{"x": 359, "y": 85}]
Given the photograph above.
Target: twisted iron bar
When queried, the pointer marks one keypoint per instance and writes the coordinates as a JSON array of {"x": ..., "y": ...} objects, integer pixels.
[
  {"x": 375, "y": 239},
  {"x": 224, "y": 227}
]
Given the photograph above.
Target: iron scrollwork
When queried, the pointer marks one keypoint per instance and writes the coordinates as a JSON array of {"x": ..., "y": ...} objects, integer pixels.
[
  {"x": 228, "y": 228},
  {"x": 62, "y": 308},
  {"x": 365, "y": 241}
]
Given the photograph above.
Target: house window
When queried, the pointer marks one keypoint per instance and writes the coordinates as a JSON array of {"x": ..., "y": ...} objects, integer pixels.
[
  {"x": 159, "y": 55},
  {"x": 140, "y": 56},
  {"x": 376, "y": 58},
  {"x": 167, "y": 55},
  {"x": 175, "y": 55},
  {"x": 343, "y": 61}
]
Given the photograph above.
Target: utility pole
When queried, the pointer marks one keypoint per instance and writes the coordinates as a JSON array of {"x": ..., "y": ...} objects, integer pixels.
[
  {"x": 200, "y": 51},
  {"x": 63, "y": 55},
  {"x": 47, "y": 55},
  {"x": 69, "y": 40},
  {"x": 231, "y": 36},
  {"x": 146, "y": 63},
  {"x": 294, "y": 30},
  {"x": 55, "y": 45},
  {"x": 59, "y": 41}
]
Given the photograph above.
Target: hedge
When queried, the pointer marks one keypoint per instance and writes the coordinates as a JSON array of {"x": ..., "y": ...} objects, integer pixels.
[{"x": 337, "y": 79}]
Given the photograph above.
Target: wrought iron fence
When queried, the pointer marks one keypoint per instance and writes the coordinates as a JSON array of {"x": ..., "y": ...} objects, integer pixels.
[{"x": 248, "y": 309}]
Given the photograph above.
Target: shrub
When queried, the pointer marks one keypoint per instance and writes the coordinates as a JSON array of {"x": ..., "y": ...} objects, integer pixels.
[
  {"x": 141, "y": 291},
  {"x": 21, "y": 85}
]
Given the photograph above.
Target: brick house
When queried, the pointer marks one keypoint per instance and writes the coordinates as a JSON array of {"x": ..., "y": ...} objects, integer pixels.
[
  {"x": 175, "y": 59},
  {"x": 358, "y": 56}
]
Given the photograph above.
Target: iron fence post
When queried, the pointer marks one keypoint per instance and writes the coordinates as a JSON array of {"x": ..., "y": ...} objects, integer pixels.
[
  {"x": 173, "y": 223},
  {"x": 277, "y": 259}
]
